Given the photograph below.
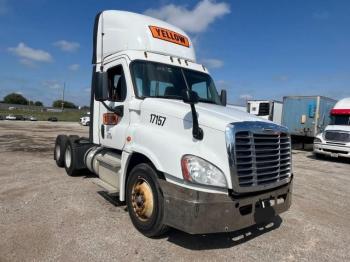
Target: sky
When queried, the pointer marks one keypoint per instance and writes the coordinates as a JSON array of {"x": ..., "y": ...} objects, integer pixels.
[{"x": 253, "y": 49}]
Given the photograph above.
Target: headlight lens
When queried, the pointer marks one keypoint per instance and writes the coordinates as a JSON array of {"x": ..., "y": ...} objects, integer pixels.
[
  {"x": 198, "y": 170},
  {"x": 317, "y": 140}
]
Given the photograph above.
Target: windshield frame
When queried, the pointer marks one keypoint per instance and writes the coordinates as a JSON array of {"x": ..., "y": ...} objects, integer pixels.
[{"x": 133, "y": 79}]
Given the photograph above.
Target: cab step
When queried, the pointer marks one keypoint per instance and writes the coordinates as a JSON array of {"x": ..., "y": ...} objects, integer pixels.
[{"x": 108, "y": 187}]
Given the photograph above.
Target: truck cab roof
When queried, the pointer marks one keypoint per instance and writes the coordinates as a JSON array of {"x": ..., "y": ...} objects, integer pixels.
[{"x": 116, "y": 31}]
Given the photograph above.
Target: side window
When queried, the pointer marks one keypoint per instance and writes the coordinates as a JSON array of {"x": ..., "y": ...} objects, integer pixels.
[
  {"x": 116, "y": 84},
  {"x": 202, "y": 90}
]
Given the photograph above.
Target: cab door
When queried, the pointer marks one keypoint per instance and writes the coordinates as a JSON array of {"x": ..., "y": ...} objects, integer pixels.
[{"x": 112, "y": 126}]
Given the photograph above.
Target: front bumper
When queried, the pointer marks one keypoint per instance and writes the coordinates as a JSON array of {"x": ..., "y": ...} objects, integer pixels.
[
  {"x": 332, "y": 150},
  {"x": 197, "y": 212}
]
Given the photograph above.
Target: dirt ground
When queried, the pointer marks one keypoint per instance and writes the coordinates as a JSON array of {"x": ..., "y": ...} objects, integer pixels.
[{"x": 46, "y": 215}]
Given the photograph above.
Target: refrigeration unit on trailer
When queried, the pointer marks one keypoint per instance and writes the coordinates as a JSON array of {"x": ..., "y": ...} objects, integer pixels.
[
  {"x": 334, "y": 141},
  {"x": 162, "y": 138},
  {"x": 267, "y": 109},
  {"x": 306, "y": 116}
]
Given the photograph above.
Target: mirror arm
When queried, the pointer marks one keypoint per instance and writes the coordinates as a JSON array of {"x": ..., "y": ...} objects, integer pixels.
[
  {"x": 119, "y": 110},
  {"x": 197, "y": 132}
]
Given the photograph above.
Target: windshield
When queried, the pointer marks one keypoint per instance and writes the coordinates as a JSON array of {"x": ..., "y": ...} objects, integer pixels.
[
  {"x": 340, "y": 120},
  {"x": 166, "y": 81}
]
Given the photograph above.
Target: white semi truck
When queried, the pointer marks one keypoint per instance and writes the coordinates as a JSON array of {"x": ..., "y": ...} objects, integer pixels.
[
  {"x": 161, "y": 137},
  {"x": 334, "y": 141},
  {"x": 85, "y": 120}
]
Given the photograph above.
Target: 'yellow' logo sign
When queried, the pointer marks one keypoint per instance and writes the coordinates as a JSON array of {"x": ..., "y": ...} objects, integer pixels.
[{"x": 168, "y": 35}]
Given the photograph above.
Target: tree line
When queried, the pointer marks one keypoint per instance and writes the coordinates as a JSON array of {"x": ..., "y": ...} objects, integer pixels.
[{"x": 19, "y": 99}]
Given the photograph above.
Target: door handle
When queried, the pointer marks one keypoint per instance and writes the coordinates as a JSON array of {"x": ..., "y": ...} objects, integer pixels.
[{"x": 103, "y": 131}]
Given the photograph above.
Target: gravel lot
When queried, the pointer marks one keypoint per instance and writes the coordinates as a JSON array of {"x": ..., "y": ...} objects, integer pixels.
[{"x": 46, "y": 215}]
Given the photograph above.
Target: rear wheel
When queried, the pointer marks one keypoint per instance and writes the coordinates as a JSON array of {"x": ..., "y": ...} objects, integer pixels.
[
  {"x": 70, "y": 161},
  {"x": 60, "y": 147},
  {"x": 145, "y": 201}
]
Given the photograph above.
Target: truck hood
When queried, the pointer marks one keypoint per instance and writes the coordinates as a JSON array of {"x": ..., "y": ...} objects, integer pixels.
[
  {"x": 338, "y": 127},
  {"x": 209, "y": 115}
]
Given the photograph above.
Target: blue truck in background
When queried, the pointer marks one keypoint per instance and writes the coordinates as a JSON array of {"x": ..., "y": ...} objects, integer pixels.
[{"x": 306, "y": 116}]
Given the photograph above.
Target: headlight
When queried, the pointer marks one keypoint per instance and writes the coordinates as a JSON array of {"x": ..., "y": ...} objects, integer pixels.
[
  {"x": 197, "y": 170},
  {"x": 317, "y": 140}
]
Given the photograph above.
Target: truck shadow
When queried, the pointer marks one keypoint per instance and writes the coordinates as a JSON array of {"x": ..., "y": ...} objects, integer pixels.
[
  {"x": 222, "y": 240},
  {"x": 112, "y": 198},
  {"x": 342, "y": 160}
]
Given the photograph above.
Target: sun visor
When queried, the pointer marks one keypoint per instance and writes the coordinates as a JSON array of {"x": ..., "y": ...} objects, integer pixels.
[{"x": 117, "y": 31}]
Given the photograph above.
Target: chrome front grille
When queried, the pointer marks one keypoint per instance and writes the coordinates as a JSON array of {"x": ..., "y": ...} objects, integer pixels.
[
  {"x": 337, "y": 136},
  {"x": 260, "y": 156}
]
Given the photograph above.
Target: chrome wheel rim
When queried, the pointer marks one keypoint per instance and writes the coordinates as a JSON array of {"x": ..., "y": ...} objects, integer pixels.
[
  {"x": 68, "y": 157},
  {"x": 142, "y": 199}
]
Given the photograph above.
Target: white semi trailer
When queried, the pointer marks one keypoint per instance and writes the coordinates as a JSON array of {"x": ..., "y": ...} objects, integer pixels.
[
  {"x": 162, "y": 138},
  {"x": 267, "y": 109}
]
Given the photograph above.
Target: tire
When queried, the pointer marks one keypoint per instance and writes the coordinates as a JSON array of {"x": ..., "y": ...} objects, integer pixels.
[
  {"x": 145, "y": 201},
  {"x": 60, "y": 147},
  {"x": 74, "y": 137},
  {"x": 319, "y": 156},
  {"x": 70, "y": 158}
]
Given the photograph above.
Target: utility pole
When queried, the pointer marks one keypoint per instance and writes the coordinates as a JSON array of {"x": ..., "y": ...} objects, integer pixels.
[{"x": 64, "y": 87}]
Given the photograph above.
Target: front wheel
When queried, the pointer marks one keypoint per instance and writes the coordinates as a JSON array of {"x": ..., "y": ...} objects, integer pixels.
[{"x": 145, "y": 201}]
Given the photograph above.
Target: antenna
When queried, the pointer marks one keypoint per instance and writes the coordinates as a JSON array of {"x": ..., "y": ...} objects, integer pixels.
[{"x": 64, "y": 87}]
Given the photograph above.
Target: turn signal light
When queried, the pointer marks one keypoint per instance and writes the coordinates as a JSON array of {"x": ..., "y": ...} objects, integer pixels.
[{"x": 110, "y": 119}]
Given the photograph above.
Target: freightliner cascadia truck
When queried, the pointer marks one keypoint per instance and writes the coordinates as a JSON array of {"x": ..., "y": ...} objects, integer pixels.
[
  {"x": 162, "y": 138},
  {"x": 334, "y": 141}
]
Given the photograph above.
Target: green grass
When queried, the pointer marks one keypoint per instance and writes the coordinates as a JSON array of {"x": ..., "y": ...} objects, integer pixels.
[{"x": 68, "y": 116}]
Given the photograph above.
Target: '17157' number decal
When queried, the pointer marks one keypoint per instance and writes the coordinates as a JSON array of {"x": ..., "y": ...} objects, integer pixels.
[{"x": 158, "y": 120}]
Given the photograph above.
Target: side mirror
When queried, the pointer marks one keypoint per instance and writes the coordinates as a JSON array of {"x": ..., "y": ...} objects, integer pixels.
[
  {"x": 223, "y": 97},
  {"x": 101, "y": 86},
  {"x": 190, "y": 97}
]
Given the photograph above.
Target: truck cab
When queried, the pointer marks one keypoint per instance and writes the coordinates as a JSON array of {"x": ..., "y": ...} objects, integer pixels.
[
  {"x": 162, "y": 138},
  {"x": 334, "y": 141}
]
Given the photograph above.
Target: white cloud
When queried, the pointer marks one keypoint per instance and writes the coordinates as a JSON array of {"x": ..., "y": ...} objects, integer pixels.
[
  {"x": 222, "y": 84},
  {"x": 282, "y": 78},
  {"x": 67, "y": 46},
  {"x": 192, "y": 21},
  {"x": 19, "y": 93},
  {"x": 27, "y": 62},
  {"x": 4, "y": 9},
  {"x": 28, "y": 54},
  {"x": 321, "y": 15},
  {"x": 74, "y": 67},
  {"x": 52, "y": 84},
  {"x": 212, "y": 63},
  {"x": 246, "y": 97}
]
